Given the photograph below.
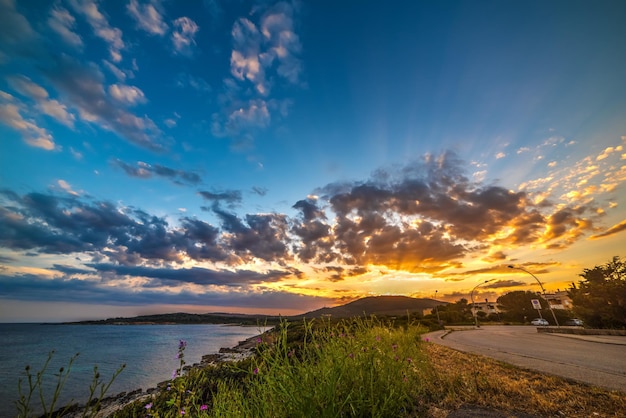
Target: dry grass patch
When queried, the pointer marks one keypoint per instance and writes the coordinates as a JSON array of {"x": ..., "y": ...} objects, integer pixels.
[{"x": 460, "y": 378}]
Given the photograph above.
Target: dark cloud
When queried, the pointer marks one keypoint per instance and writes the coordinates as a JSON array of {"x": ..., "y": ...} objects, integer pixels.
[
  {"x": 31, "y": 287},
  {"x": 498, "y": 284},
  {"x": 262, "y": 236},
  {"x": 231, "y": 198},
  {"x": 261, "y": 191},
  {"x": 612, "y": 230},
  {"x": 195, "y": 275},
  {"x": 425, "y": 217},
  {"x": 144, "y": 171},
  {"x": 82, "y": 87}
]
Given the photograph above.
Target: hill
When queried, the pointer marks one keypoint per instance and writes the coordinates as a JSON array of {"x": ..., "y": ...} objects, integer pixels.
[{"x": 376, "y": 305}]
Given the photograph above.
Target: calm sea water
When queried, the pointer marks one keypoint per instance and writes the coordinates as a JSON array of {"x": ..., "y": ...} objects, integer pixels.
[{"x": 148, "y": 351}]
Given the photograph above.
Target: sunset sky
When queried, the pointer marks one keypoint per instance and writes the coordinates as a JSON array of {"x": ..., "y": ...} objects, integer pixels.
[{"x": 277, "y": 157}]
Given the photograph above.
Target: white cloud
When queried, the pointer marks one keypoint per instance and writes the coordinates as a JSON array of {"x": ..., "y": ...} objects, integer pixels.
[
  {"x": 26, "y": 87},
  {"x": 119, "y": 74},
  {"x": 33, "y": 135},
  {"x": 100, "y": 25},
  {"x": 67, "y": 188},
  {"x": 170, "y": 123},
  {"x": 500, "y": 155},
  {"x": 255, "y": 114},
  {"x": 52, "y": 108},
  {"x": 148, "y": 17},
  {"x": 58, "y": 111},
  {"x": 129, "y": 95},
  {"x": 183, "y": 35},
  {"x": 62, "y": 22}
]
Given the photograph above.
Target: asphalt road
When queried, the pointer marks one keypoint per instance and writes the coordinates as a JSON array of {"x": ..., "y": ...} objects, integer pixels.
[{"x": 599, "y": 361}]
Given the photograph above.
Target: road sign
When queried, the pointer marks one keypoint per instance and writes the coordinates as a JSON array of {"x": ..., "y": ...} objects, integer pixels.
[{"x": 536, "y": 304}]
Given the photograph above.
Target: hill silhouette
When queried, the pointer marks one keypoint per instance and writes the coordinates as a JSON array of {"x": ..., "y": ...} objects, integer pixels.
[
  {"x": 376, "y": 305},
  {"x": 373, "y": 305}
]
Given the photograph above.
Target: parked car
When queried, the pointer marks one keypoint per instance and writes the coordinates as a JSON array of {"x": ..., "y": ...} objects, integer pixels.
[
  {"x": 539, "y": 322},
  {"x": 574, "y": 323}
]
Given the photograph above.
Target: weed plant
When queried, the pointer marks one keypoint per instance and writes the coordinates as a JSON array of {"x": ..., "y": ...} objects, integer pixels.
[
  {"x": 355, "y": 368},
  {"x": 48, "y": 402}
]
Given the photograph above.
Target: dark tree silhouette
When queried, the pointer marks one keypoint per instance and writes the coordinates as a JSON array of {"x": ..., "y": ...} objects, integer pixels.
[{"x": 600, "y": 298}]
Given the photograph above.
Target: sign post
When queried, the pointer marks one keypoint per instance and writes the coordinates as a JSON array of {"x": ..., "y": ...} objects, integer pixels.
[{"x": 537, "y": 305}]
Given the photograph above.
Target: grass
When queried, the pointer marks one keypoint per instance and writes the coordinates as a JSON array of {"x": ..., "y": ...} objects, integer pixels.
[{"x": 365, "y": 368}]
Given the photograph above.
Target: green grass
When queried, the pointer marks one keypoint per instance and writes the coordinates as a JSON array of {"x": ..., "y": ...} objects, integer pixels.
[
  {"x": 358, "y": 368},
  {"x": 361, "y": 368}
]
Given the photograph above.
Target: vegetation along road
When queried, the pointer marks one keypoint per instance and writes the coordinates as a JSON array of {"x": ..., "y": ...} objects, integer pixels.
[{"x": 600, "y": 361}]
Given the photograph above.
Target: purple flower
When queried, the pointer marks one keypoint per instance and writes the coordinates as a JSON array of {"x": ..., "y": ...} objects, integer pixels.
[
  {"x": 259, "y": 340},
  {"x": 256, "y": 370},
  {"x": 351, "y": 355},
  {"x": 394, "y": 347},
  {"x": 148, "y": 406},
  {"x": 409, "y": 360},
  {"x": 182, "y": 344},
  {"x": 204, "y": 407},
  {"x": 174, "y": 374},
  {"x": 182, "y": 412}
]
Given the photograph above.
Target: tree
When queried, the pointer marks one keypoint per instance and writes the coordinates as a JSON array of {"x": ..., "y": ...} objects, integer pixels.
[
  {"x": 456, "y": 313},
  {"x": 600, "y": 298},
  {"x": 517, "y": 305}
]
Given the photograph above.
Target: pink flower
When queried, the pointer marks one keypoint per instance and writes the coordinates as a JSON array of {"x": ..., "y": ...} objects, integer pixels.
[
  {"x": 256, "y": 370},
  {"x": 148, "y": 406},
  {"x": 204, "y": 407}
]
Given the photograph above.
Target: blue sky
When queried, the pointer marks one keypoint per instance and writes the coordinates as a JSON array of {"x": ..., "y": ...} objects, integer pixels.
[{"x": 278, "y": 157}]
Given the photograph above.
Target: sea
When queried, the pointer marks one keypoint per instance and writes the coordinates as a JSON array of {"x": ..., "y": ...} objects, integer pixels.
[{"x": 149, "y": 352}]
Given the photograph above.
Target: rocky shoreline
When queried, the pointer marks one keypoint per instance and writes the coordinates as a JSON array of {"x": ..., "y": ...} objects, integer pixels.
[{"x": 111, "y": 404}]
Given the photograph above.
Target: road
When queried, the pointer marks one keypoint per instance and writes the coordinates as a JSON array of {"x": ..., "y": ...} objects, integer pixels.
[{"x": 599, "y": 361}]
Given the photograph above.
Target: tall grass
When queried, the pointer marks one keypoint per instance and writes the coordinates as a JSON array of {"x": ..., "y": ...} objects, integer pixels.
[
  {"x": 361, "y": 368},
  {"x": 356, "y": 368}
]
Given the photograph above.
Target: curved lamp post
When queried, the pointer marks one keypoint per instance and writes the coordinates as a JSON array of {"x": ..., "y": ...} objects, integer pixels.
[
  {"x": 473, "y": 304},
  {"x": 542, "y": 289},
  {"x": 437, "y": 309}
]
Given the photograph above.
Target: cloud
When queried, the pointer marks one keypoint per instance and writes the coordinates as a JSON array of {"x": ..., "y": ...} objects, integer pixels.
[
  {"x": 232, "y": 198},
  {"x": 183, "y": 35},
  {"x": 65, "y": 289},
  {"x": 63, "y": 23},
  {"x": 148, "y": 17},
  {"x": 67, "y": 188},
  {"x": 197, "y": 83},
  {"x": 144, "y": 171},
  {"x": 100, "y": 26},
  {"x": 611, "y": 231},
  {"x": 426, "y": 216},
  {"x": 24, "y": 86},
  {"x": 499, "y": 284},
  {"x": 11, "y": 115},
  {"x": 127, "y": 95},
  {"x": 14, "y": 28},
  {"x": 83, "y": 88}
]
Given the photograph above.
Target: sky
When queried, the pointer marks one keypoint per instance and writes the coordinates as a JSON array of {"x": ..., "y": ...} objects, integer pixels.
[{"x": 278, "y": 157}]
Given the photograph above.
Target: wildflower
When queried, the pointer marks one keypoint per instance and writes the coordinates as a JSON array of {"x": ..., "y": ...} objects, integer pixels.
[
  {"x": 351, "y": 355},
  {"x": 427, "y": 339},
  {"x": 255, "y": 371},
  {"x": 378, "y": 338},
  {"x": 259, "y": 340},
  {"x": 204, "y": 407},
  {"x": 182, "y": 344},
  {"x": 148, "y": 405},
  {"x": 409, "y": 360},
  {"x": 182, "y": 412},
  {"x": 174, "y": 374},
  {"x": 394, "y": 347}
]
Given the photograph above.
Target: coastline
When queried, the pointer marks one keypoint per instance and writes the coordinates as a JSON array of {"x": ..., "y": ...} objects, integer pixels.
[{"x": 114, "y": 403}]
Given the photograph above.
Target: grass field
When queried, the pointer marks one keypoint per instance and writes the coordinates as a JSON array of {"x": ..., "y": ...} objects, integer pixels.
[{"x": 369, "y": 368}]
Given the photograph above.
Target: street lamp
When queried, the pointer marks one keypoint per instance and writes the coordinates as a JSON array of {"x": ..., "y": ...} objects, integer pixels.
[
  {"x": 473, "y": 304},
  {"x": 437, "y": 309},
  {"x": 542, "y": 289}
]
